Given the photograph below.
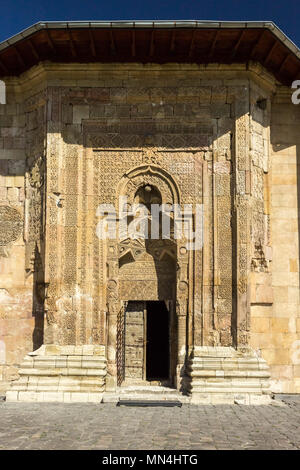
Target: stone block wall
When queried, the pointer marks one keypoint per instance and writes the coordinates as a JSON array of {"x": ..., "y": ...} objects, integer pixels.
[
  {"x": 16, "y": 323},
  {"x": 276, "y": 325},
  {"x": 21, "y": 207},
  {"x": 112, "y": 110},
  {"x": 50, "y": 124}
]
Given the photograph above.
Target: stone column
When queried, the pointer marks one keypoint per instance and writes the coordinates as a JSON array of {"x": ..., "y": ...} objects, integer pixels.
[
  {"x": 181, "y": 341},
  {"x": 111, "y": 346},
  {"x": 113, "y": 308},
  {"x": 181, "y": 306},
  {"x": 242, "y": 175},
  {"x": 181, "y": 331}
]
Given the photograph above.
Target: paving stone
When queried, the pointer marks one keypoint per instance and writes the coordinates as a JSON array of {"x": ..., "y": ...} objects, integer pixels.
[{"x": 91, "y": 426}]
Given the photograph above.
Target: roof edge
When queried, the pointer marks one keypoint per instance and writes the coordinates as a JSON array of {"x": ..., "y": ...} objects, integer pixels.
[{"x": 270, "y": 25}]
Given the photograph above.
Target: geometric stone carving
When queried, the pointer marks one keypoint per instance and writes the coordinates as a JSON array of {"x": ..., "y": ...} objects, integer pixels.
[{"x": 11, "y": 224}]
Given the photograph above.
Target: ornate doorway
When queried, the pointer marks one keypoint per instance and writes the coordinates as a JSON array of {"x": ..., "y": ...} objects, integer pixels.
[
  {"x": 146, "y": 274},
  {"x": 146, "y": 331}
]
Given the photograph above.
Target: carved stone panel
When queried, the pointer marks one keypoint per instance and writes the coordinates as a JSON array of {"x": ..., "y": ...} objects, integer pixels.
[{"x": 11, "y": 224}]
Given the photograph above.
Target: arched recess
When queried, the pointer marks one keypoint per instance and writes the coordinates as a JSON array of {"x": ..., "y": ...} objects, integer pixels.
[
  {"x": 152, "y": 175},
  {"x": 123, "y": 257}
]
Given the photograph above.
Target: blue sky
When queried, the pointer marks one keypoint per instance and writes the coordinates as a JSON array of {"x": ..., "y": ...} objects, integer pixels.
[{"x": 17, "y": 15}]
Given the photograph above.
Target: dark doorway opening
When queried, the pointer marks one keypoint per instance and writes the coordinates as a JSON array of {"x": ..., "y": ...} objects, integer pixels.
[{"x": 157, "y": 349}]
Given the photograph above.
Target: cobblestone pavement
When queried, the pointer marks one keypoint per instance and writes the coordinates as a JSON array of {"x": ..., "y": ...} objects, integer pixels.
[{"x": 106, "y": 426}]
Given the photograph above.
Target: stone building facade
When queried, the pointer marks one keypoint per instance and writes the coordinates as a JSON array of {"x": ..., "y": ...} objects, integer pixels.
[{"x": 80, "y": 316}]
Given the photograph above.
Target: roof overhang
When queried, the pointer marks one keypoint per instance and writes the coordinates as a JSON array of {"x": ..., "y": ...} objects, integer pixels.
[{"x": 199, "y": 42}]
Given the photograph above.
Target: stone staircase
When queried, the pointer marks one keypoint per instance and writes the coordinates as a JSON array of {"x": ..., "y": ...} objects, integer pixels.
[
  {"x": 61, "y": 374},
  {"x": 214, "y": 375},
  {"x": 144, "y": 393},
  {"x": 224, "y": 375}
]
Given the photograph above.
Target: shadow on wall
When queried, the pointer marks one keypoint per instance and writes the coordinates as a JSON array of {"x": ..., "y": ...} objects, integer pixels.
[
  {"x": 284, "y": 136},
  {"x": 38, "y": 301},
  {"x": 12, "y": 202},
  {"x": 298, "y": 200}
]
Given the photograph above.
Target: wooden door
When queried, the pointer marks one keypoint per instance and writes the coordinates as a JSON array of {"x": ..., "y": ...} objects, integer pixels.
[{"x": 135, "y": 336}]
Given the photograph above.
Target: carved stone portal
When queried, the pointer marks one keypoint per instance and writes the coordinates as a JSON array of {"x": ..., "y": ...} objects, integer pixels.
[
  {"x": 117, "y": 291},
  {"x": 143, "y": 268}
]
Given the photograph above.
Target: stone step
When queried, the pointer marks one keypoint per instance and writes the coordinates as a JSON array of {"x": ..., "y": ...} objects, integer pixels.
[
  {"x": 75, "y": 357},
  {"x": 53, "y": 384},
  {"x": 148, "y": 396},
  {"x": 151, "y": 389},
  {"x": 54, "y": 396},
  {"x": 76, "y": 371},
  {"x": 211, "y": 364},
  {"x": 252, "y": 381},
  {"x": 217, "y": 389},
  {"x": 53, "y": 388},
  {"x": 145, "y": 403},
  {"x": 45, "y": 362},
  {"x": 229, "y": 373},
  {"x": 228, "y": 359},
  {"x": 115, "y": 397},
  {"x": 145, "y": 393},
  {"x": 229, "y": 390}
]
